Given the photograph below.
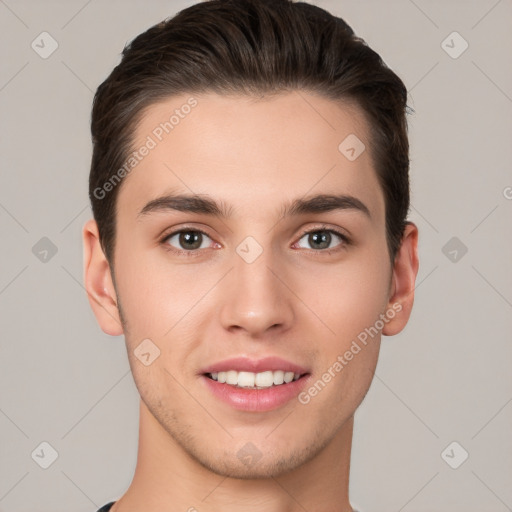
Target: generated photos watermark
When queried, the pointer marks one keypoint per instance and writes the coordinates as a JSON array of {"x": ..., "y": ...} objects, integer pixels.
[
  {"x": 157, "y": 135},
  {"x": 342, "y": 360}
]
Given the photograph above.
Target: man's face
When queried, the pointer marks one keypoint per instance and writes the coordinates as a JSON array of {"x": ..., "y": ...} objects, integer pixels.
[{"x": 256, "y": 284}]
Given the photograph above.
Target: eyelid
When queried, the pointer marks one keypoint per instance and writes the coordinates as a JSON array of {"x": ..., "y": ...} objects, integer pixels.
[
  {"x": 185, "y": 229},
  {"x": 346, "y": 240},
  {"x": 323, "y": 227},
  {"x": 182, "y": 229}
]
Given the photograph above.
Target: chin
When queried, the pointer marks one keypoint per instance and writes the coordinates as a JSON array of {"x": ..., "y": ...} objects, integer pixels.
[
  {"x": 252, "y": 471},
  {"x": 251, "y": 463}
]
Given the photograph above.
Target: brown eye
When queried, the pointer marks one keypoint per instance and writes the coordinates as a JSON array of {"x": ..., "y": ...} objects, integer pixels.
[
  {"x": 188, "y": 240},
  {"x": 321, "y": 239}
]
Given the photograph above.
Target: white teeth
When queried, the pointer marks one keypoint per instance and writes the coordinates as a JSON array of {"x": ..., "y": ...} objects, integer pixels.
[
  {"x": 246, "y": 379},
  {"x": 288, "y": 377},
  {"x": 278, "y": 377},
  {"x": 264, "y": 379},
  {"x": 255, "y": 380},
  {"x": 232, "y": 377}
]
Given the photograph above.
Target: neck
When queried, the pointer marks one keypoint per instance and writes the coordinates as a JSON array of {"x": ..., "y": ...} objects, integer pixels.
[{"x": 167, "y": 476}]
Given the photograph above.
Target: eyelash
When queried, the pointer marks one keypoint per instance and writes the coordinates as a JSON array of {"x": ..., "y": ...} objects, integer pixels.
[
  {"x": 195, "y": 252},
  {"x": 189, "y": 254},
  {"x": 319, "y": 252}
]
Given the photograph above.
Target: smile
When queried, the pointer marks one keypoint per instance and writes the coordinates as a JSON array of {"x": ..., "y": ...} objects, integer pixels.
[{"x": 261, "y": 380}]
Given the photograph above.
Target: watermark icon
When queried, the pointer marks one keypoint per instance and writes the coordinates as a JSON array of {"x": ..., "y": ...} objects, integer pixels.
[
  {"x": 157, "y": 135},
  {"x": 44, "y": 249},
  {"x": 249, "y": 454},
  {"x": 342, "y": 360},
  {"x": 249, "y": 249},
  {"x": 454, "y": 455},
  {"x": 44, "y": 45},
  {"x": 454, "y": 249},
  {"x": 454, "y": 45},
  {"x": 351, "y": 147},
  {"x": 44, "y": 455},
  {"x": 146, "y": 352},
  {"x": 507, "y": 193}
]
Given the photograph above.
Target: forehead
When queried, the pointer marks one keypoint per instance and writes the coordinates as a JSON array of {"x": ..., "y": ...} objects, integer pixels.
[{"x": 251, "y": 152}]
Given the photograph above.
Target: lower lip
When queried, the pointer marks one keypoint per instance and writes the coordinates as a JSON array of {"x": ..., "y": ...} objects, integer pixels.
[{"x": 256, "y": 400}]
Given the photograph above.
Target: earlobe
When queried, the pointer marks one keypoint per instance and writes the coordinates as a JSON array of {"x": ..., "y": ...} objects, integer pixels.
[
  {"x": 98, "y": 281},
  {"x": 405, "y": 270}
]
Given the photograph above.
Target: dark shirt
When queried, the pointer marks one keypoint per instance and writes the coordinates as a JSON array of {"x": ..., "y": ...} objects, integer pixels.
[{"x": 106, "y": 507}]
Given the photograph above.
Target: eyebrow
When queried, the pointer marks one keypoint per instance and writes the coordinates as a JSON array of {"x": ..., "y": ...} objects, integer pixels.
[{"x": 204, "y": 205}]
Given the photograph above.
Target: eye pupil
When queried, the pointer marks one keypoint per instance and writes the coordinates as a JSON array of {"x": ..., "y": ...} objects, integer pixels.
[
  {"x": 190, "y": 239},
  {"x": 322, "y": 238}
]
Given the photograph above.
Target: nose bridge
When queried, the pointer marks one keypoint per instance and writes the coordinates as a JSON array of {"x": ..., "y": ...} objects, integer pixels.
[{"x": 255, "y": 298}]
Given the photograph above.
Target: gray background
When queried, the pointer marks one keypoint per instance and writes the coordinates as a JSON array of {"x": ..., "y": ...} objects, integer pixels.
[{"x": 445, "y": 378}]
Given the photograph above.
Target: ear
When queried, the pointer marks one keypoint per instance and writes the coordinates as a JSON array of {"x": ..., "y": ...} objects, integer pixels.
[
  {"x": 98, "y": 281},
  {"x": 405, "y": 269}
]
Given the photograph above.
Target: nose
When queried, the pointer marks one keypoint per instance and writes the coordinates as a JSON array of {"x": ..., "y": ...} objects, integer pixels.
[{"x": 255, "y": 298}]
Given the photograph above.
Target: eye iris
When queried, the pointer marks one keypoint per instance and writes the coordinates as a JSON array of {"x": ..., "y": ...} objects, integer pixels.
[
  {"x": 320, "y": 237},
  {"x": 190, "y": 239}
]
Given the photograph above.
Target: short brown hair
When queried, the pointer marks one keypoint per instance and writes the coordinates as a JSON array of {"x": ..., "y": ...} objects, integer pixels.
[{"x": 250, "y": 47}]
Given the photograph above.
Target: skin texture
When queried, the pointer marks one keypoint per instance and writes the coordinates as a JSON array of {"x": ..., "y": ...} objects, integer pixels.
[{"x": 294, "y": 301}]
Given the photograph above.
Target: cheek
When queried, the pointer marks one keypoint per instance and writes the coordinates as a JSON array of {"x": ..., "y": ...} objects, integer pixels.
[
  {"x": 349, "y": 296},
  {"x": 345, "y": 296},
  {"x": 156, "y": 295}
]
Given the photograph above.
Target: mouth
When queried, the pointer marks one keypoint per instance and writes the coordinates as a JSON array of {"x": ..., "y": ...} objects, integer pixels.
[
  {"x": 251, "y": 380},
  {"x": 255, "y": 385}
]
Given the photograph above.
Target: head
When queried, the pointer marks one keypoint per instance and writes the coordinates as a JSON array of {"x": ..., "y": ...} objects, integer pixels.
[
  {"x": 250, "y": 108},
  {"x": 251, "y": 48}
]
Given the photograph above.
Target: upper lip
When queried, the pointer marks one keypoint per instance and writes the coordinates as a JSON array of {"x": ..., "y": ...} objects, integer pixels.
[{"x": 244, "y": 364}]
